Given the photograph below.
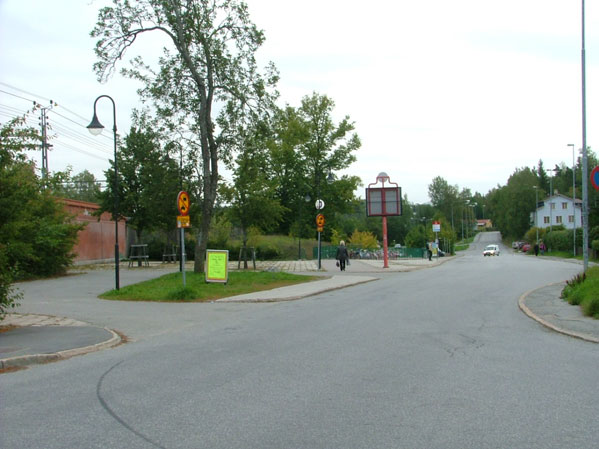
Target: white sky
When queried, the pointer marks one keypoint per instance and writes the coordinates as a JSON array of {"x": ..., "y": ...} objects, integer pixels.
[{"x": 468, "y": 90}]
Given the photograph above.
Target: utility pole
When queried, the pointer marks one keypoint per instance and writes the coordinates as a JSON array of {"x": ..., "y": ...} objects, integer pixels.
[
  {"x": 45, "y": 145},
  {"x": 585, "y": 170}
]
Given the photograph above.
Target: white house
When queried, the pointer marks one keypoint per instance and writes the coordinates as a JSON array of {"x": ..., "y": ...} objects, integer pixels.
[{"x": 558, "y": 210}]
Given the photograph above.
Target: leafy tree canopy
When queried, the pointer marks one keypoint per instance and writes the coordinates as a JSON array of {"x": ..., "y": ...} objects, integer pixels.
[{"x": 207, "y": 64}]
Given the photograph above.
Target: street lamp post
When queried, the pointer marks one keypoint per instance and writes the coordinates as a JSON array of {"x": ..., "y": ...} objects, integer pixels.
[
  {"x": 299, "y": 228},
  {"x": 330, "y": 179},
  {"x": 585, "y": 183},
  {"x": 573, "y": 199},
  {"x": 95, "y": 128},
  {"x": 536, "y": 210},
  {"x": 473, "y": 206}
]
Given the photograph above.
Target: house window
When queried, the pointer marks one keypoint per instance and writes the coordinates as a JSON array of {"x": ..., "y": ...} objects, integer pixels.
[
  {"x": 558, "y": 219},
  {"x": 564, "y": 205},
  {"x": 552, "y": 206},
  {"x": 546, "y": 220},
  {"x": 570, "y": 218}
]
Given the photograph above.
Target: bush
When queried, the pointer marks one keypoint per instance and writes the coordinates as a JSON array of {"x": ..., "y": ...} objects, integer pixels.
[
  {"x": 559, "y": 240},
  {"x": 8, "y": 296},
  {"x": 582, "y": 290},
  {"x": 267, "y": 251},
  {"x": 363, "y": 239},
  {"x": 531, "y": 234}
]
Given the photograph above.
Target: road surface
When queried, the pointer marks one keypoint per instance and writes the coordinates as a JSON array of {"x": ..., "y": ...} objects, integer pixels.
[{"x": 434, "y": 358}]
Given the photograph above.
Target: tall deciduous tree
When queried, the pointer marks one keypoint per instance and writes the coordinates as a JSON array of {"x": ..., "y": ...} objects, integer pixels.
[
  {"x": 82, "y": 186},
  {"x": 445, "y": 197},
  {"x": 308, "y": 148},
  {"x": 148, "y": 183},
  {"x": 512, "y": 204},
  {"x": 254, "y": 202},
  {"x": 209, "y": 63}
]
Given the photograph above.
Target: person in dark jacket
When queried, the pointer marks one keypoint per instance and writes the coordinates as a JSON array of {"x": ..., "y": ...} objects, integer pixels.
[{"x": 342, "y": 255}]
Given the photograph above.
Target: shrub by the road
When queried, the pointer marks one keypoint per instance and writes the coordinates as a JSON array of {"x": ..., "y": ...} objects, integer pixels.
[{"x": 583, "y": 290}]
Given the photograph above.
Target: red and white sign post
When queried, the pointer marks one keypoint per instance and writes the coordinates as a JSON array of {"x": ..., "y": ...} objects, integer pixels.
[{"x": 383, "y": 202}]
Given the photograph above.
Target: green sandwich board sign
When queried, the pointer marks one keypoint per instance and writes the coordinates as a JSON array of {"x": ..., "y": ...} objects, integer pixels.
[{"x": 217, "y": 265}]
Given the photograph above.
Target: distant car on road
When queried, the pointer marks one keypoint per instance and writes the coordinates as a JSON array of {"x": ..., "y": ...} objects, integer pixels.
[
  {"x": 525, "y": 248},
  {"x": 491, "y": 250}
]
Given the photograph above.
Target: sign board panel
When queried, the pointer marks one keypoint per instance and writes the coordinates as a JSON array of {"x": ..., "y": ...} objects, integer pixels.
[
  {"x": 319, "y": 204},
  {"x": 436, "y": 226},
  {"x": 183, "y": 221},
  {"x": 383, "y": 201},
  {"x": 217, "y": 262},
  {"x": 595, "y": 178}
]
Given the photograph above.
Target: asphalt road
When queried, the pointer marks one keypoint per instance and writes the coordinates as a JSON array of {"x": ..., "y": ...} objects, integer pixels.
[{"x": 435, "y": 358}]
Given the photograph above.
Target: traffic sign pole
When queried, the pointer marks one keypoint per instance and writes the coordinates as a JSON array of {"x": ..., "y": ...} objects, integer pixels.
[
  {"x": 183, "y": 204},
  {"x": 385, "y": 244},
  {"x": 319, "y": 227},
  {"x": 183, "y": 254}
]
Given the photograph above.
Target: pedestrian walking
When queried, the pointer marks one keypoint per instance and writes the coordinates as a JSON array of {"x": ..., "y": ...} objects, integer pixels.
[
  {"x": 342, "y": 255},
  {"x": 429, "y": 250},
  {"x": 536, "y": 249}
]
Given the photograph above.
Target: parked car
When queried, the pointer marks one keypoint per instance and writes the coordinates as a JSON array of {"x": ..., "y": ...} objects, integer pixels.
[
  {"x": 491, "y": 250},
  {"x": 525, "y": 247}
]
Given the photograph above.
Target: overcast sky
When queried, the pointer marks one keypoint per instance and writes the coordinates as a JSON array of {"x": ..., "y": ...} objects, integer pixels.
[{"x": 465, "y": 89}]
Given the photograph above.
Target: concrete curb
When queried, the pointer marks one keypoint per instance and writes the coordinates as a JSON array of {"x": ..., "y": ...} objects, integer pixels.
[
  {"x": 36, "y": 359},
  {"x": 289, "y": 293},
  {"x": 531, "y": 314}
]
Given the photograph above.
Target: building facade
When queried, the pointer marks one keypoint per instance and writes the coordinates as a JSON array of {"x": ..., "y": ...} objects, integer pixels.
[
  {"x": 558, "y": 210},
  {"x": 95, "y": 242}
]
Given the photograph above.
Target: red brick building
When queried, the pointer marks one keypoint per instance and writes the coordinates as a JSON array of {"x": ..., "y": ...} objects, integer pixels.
[{"x": 96, "y": 241}]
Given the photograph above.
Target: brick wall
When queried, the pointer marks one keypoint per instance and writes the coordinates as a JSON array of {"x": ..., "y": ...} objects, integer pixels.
[{"x": 96, "y": 241}]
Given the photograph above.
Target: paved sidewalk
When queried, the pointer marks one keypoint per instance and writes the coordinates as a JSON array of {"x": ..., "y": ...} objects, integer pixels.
[
  {"x": 27, "y": 339},
  {"x": 355, "y": 265},
  {"x": 545, "y": 306},
  {"x": 298, "y": 291}
]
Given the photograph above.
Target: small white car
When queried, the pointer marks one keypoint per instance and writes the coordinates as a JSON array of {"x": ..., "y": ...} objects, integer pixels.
[{"x": 491, "y": 250}]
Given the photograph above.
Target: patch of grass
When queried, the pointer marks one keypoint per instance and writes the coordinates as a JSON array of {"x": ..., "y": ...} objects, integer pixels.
[
  {"x": 170, "y": 286},
  {"x": 583, "y": 290}
]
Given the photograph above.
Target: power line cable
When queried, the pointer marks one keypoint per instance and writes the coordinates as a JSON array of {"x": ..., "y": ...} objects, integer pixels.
[{"x": 23, "y": 91}]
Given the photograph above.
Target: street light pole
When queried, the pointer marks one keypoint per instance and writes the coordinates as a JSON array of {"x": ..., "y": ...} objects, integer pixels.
[
  {"x": 573, "y": 200},
  {"x": 95, "y": 128},
  {"x": 537, "y": 211},
  {"x": 585, "y": 170}
]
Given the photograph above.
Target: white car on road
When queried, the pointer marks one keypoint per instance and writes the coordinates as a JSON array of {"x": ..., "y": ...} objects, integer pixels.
[{"x": 491, "y": 250}]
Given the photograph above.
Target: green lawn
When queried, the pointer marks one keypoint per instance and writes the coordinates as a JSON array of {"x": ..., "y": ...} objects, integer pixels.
[
  {"x": 170, "y": 286},
  {"x": 582, "y": 291}
]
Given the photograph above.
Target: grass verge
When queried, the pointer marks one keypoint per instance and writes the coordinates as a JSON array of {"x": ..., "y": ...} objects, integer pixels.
[
  {"x": 169, "y": 288},
  {"x": 582, "y": 290}
]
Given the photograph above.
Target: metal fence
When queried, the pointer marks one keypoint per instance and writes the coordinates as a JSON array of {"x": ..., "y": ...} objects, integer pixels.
[{"x": 330, "y": 252}]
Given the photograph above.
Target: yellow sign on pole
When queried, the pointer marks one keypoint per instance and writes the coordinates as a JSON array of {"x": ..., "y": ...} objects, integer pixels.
[
  {"x": 217, "y": 262},
  {"x": 183, "y": 221}
]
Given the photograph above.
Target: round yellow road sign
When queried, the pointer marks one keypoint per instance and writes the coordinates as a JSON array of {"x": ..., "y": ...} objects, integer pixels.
[
  {"x": 320, "y": 220},
  {"x": 183, "y": 203}
]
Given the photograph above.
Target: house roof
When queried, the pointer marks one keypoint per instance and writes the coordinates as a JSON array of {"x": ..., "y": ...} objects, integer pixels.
[{"x": 577, "y": 202}]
